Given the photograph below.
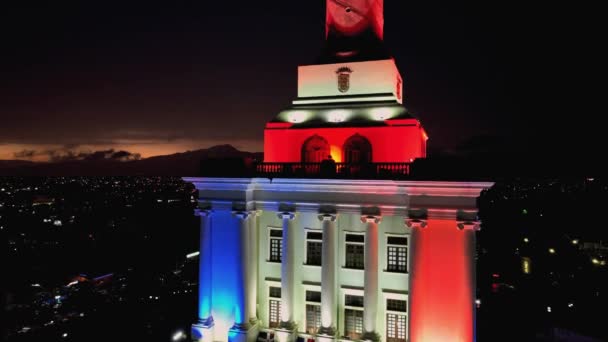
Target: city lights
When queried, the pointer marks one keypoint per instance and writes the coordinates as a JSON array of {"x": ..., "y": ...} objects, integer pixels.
[
  {"x": 192, "y": 255},
  {"x": 179, "y": 335}
]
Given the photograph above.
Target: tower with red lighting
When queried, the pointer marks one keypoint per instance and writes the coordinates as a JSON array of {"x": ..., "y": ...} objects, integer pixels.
[
  {"x": 291, "y": 253},
  {"x": 350, "y": 102}
]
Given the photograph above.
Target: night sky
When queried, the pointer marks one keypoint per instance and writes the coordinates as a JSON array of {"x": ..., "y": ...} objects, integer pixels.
[{"x": 155, "y": 78}]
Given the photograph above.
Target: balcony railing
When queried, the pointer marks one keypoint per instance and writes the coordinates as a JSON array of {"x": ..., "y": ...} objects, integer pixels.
[
  {"x": 338, "y": 170},
  {"x": 237, "y": 167}
]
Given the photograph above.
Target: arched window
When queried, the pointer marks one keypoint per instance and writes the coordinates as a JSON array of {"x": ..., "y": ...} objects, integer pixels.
[
  {"x": 357, "y": 150},
  {"x": 315, "y": 149}
]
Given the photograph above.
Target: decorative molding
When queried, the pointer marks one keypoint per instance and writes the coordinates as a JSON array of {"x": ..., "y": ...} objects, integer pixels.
[
  {"x": 371, "y": 219},
  {"x": 468, "y": 225},
  {"x": 340, "y": 208},
  {"x": 391, "y": 198},
  {"x": 344, "y": 69},
  {"x": 286, "y": 215},
  {"x": 328, "y": 217},
  {"x": 205, "y": 322},
  {"x": 415, "y": 223},
  {"x": 242, "y": 215},
  {"x": 203, "y": 212},
  {"x": 396, "y": 292}
]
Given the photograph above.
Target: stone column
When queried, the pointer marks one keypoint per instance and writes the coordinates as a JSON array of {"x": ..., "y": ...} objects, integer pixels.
[
  {"x": 202, "y": 330},
  {"x": 252, "y": 283},
  {"x": 287, "y": 328},
  {"x": 442, "y": 251},
  {"x": 470, "y": 230},
  {"x": 370, "y": 297},
  {"x": 414, "y": 255},
  {"x": 329, "y": 276},
  {"x": 245, "y": 328}
]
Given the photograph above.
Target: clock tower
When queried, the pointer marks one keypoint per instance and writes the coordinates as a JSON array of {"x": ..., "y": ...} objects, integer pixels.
[
  {"x": 352, "y": 17},
  {"x": 324, "y": 241},
  {"x": 354, "y": 30},
  {"x": 350, "y": 101}
]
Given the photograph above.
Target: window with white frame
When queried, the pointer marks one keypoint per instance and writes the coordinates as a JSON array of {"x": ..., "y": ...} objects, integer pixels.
[
  {"x": 313, "y": 311},
  {"x": 274, "y": 305},
  {"x": 396, "y": 320},
  {"x": 353, "y": 316},
  {"x": 314, "y": 248},
  {"x": 396, "y": 254},
  {"x": 275, "y": 245},
  {"x": 355, "y": 251}
]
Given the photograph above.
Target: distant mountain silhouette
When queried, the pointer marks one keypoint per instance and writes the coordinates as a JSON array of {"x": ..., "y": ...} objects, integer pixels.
[
  {"x": 5, "y": 164},
  {"x": 179, "y": 164}
]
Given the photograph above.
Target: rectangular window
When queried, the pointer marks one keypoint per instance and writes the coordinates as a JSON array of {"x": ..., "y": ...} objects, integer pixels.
[
  {"x": 313, "y": 296},
  {"x": 353, "y": 316},
  {"x": 395, "y": 327},
  {"x": 275, "y": 313},
  {"x": 396, "y": 305},
  {"x": 313, "y": 311},
  {"x": 275, "y": 307},
  {"x": 356, "y": 301},
  {"x": 353, "y": 323},
  {"x": 396, "y": 250},
  {"x": 313, "y": 318},
  {"x": 276, "y": 245},
  {"x": 355, "y": 238},
  {"x": 396, "y": 320},
  {"x": 355, "y": 255},
  {"x": 274, "y": 292},
  {"x": 314, "y": 247}
]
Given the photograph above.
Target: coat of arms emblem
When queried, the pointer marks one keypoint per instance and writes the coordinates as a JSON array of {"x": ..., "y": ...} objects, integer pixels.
[{"x": 344, "y": 79}]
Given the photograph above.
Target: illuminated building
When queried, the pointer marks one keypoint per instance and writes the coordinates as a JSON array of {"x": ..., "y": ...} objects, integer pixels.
[{"x": 331, "y": 259}]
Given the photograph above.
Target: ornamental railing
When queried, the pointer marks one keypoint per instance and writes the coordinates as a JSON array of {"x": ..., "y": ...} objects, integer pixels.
[{"x": 333, "y": 170}]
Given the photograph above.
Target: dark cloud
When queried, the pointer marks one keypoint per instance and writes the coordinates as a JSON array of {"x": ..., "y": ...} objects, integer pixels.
[
  {"x": 63, "y": 155},
  {"x": 25, "y": 154}
]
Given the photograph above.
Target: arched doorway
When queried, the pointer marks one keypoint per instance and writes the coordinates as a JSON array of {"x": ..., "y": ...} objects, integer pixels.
[
  {"x": 315, "y": 149},
  {"x": 357, "y": 150}
]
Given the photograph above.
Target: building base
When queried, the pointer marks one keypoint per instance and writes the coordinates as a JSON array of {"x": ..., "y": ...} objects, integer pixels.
[
  {"x": 326, "y": 334},
  {"x": 244, "y": 333},
  {"x": 286, "y": 335},
  {"x": 202, "y": 331},
  {"x": 371, "y": 336}
]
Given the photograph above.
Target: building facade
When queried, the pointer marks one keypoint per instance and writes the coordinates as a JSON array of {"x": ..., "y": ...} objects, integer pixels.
[
  {"x": 295, "y": 256},
  {"x": 336, "y": 259}
]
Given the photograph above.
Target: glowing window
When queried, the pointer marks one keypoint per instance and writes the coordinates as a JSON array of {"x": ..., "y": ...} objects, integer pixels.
[
  {"x": 353, "y": 317},
  {"x": 275, "y": 307},
  {"x": 313, "y": 311},
  {"x": 396, "y": 250},
  {"x": 355, "y": 251},
  {"x": 276, "y": 245},
  {"x": 314, "y": 247},
  {"x": 396, "y": 325}
]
